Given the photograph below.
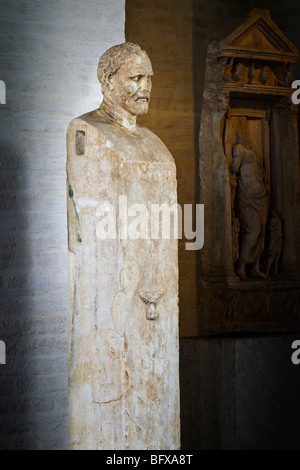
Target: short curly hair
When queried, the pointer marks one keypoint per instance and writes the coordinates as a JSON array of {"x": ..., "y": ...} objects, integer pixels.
[{"x": 112, "y": 60}]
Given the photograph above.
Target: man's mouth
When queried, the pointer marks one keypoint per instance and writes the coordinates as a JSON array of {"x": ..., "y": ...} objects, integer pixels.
[{"x": 144, "y": 99}]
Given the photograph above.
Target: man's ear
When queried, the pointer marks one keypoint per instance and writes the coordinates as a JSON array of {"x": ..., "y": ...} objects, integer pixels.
[
  {"x": 106, "y": 85},
  {"x": 110, "y": 80}
]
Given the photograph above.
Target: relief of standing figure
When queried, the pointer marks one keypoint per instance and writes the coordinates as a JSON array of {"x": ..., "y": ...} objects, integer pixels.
[{"x": 252, "y": 206}]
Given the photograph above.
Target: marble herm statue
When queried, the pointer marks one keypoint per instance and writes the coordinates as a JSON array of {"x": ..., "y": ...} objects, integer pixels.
[{"x": 123, "y": 290}]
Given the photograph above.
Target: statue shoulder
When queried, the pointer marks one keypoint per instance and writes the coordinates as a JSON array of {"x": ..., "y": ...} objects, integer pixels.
[
  {"x": 129, "y": 145},
  {"x": 154, "y": 141},
  {"x": 92, "y": 118}
]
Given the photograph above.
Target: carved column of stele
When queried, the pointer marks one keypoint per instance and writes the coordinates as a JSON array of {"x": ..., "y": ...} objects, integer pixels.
[{"x": 123, "y": 292}]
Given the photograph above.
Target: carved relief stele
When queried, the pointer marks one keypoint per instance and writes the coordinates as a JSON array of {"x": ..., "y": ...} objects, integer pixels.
[{"x": 249, "y": 182}]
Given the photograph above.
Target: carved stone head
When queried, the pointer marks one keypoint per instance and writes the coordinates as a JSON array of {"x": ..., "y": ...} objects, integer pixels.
[
  {"x": 239, "y": 72},
  {"x": 265, "y": 74},
  {"x": 125, "y": 73}
]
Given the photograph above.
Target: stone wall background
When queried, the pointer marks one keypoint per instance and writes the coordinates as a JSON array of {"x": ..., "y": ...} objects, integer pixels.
[
  {"x": 237, "y": 392},
  {"x": 49, "y": 52},
  {"x": 166, "y": 30}
]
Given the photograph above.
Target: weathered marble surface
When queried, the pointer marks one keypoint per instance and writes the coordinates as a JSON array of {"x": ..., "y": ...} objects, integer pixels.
[{"x": 123, "y": 367}]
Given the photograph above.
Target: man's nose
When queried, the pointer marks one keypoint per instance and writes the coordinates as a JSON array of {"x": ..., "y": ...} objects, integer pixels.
[{"x": 145, "y": 84}]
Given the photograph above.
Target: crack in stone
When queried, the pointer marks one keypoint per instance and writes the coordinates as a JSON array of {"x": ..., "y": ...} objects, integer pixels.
[{"x": 109, "y": 401}]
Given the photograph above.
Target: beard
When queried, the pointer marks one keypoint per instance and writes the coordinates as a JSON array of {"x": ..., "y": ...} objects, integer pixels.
[{"x": 137, "y": 104}]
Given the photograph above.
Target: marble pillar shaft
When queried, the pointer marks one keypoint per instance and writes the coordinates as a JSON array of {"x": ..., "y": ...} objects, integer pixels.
[{"x": 123, "y": 367}]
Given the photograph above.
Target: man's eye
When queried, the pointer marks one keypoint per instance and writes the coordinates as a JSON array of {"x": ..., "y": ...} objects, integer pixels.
[{"x": 137, "y": 78}]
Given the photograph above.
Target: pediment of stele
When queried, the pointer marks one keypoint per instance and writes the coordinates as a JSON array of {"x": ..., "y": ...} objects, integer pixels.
[{"x": 258, "y": 37}]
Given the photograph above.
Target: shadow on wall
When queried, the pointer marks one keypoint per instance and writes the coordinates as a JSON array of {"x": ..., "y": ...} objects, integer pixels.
[
  {"x": 239, "y": 394},
  {"x": 15, "y": 376},
  {"x": 30, "y": 418}
]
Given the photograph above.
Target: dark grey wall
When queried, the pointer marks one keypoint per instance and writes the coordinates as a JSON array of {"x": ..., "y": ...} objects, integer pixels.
[{"x": 239, "y": 394}]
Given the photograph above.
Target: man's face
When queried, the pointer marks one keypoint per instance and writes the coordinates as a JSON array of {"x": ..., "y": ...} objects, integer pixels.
[
  {"x": 267, "y": 72},
  {"x": 131, "y": 85}
]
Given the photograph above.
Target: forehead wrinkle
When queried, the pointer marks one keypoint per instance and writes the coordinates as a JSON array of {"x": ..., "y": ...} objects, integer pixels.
[
  {"x": 142, "y": 72},
  {"x": 137, "y": 65}
]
